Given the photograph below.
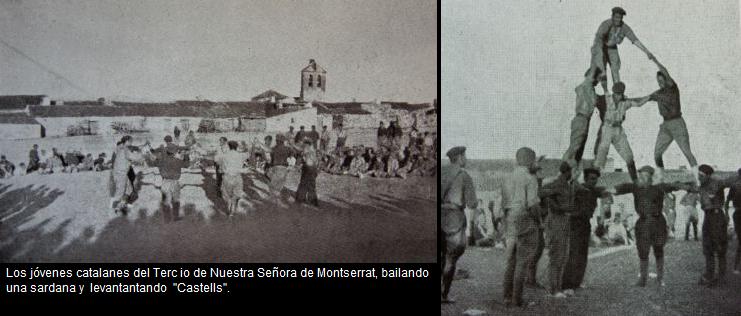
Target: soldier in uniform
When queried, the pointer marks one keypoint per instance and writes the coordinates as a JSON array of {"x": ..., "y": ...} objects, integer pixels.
[
  {"x": 522, "y": 208},
  {"x": 580, "y": 229},
  {"x": 586, "y": 99},
  {"x": 651, "y": 228},
  {"x": 714, "y": 233},
  {"x": 457, "y": 193},
  {"x": 559, "y": 198},
  {"x": 610, "y": 34}
]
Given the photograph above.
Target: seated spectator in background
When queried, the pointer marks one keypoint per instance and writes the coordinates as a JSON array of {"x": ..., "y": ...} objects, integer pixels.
[
  {"x": 484, "y": 232},
  {"x": 617, "y": 232},
  {"x": 291, "y": 160},
  {"x": 358, "y": 167},
  {"x": 369, "y": 155},
  {"x": 428, "y": 144},
  {"x": 88, "y": 163},
  {"x": 72, "y": 161},
  {"x": 392, "y": 167},
  {"x": 44, "y": 162},
  {"x": 413, "y": 135},
  {"x": 377, "y": 167},
  {"x": 100, "y": 164},
  {"x": 6, "y": 167}
]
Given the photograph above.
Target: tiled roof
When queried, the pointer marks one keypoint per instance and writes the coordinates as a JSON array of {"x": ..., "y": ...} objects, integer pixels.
[
  {"x": 19, "y": 102},
  {"x": 17, "y": 119},
  {"x": 407, "y": 106},
  {"x": 214, "y": 110},
  {"x": 268, "y": 94},
  {"x": 340, "y": 108}
]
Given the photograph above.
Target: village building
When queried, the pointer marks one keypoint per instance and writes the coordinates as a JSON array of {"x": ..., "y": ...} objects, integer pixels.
[{"x": 34, "y": 116}]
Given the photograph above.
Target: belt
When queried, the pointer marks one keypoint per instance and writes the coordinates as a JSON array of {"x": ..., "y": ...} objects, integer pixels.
[
  {"x": 611, "y": 47},
  {"x": 714, "y": 211},
  {"x": 614, "y": 124}
]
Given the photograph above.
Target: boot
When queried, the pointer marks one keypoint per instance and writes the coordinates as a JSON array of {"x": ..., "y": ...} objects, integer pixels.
[
  {"x": 644, "y": 273},
  {"x": 660, "y": 271}
]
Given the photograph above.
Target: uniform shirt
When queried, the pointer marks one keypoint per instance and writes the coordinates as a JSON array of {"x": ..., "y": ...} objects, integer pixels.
[
  {"x": 559, "y": 195},
  {"x": 610, "y": 36},
  {"x": 325, "y": 135},
  {"x": 459, "y": 186},
  {"x": 711, "y": 193},
  {"x": 280, "y": 155},
  {"x": 382, "y": 132},
  {"x": 519, "y": 193},
  {"x": 615, "y": 113},
  {"x": 168, "y": 165},
  {"x": 341, "y": 133},
  {"x": 585, "y": 98},
  {"x": 585, "y": 200},
  {"x": 734, "y": 195},
  {"x": 648, "y": 200},
  {"x": 313, "y": 135},
  {"x": 668, "y": 101},
  {"x": 230, "y": 162}
]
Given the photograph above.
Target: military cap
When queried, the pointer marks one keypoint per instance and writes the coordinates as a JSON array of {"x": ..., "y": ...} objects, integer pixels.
[
  {"x": 708, "y": 170},
  {"x": 618, "y": 87},
  {"x": 618, "y": 10},
  {"x": 647, "y": 168},
  {"x": 455, "y": 151}
]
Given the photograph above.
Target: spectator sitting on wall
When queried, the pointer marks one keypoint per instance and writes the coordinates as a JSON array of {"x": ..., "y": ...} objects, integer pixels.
[
  {"x": 88, "y": 163},
  {"x": 100, "y": 164},
  {"x": 71, "y": 161}
]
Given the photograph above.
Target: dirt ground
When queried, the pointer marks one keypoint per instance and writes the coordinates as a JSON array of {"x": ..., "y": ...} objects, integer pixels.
[
  {"x": 65, "y": 218},
  {"x": 608, "y": 285}
]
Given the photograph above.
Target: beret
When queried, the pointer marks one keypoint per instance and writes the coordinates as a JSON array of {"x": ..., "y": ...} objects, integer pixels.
[
  {"x": 648, "y": 169},
  {"x": 708, "y": 170},
  {"x": 618, "y": 10},
  {"x": 455, "y": 151}
]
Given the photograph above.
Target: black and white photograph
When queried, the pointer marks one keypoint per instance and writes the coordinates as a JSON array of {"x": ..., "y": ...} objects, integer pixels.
[
  {"x": 218, "y": 131},
  {"x": 576, "y": 178}
]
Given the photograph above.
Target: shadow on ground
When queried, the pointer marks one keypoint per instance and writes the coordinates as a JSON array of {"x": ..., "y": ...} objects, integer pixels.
[{"x": 388, "y": 229}]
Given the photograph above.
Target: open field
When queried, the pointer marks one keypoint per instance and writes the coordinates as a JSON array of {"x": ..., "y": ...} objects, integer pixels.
[{"x": 65, "y": 218}]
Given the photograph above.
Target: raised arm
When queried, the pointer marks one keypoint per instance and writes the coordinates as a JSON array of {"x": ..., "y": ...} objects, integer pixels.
[
  {"x": 665, "y": 72},
  {"x": 632, "y": 37},
  {"x": 639, "y": 102}
]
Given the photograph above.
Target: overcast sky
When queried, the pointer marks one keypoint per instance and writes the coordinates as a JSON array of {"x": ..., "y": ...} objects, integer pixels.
[
  {"x": 509, "y": 69},
  {"x": 219, "y": 50}
]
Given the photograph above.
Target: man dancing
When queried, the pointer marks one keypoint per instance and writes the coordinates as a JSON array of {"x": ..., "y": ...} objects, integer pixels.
[
  {"x": 651, "y": 228},
  {"x": 612, "y": 129},
  {"x": 673, "y": 128}
]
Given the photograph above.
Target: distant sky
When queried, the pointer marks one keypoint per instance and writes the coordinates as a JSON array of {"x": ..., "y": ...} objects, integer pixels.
[
  {"x": 219, "y": 50},
  {"x": 509, "y": 69}
]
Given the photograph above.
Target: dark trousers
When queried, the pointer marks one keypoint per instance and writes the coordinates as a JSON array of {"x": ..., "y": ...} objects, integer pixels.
[
  {"x": 532, "y": 266},
  {"x": 557, "y": 230},
  {"x": 576, "y": 266},
  {"x": 453, "y": 246},
  {"x": 714, "y": 243},
  {"x": 306, "y": 192},
  {"x": 521, "y": 250},
  {"x": 691, "y": 221}
]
